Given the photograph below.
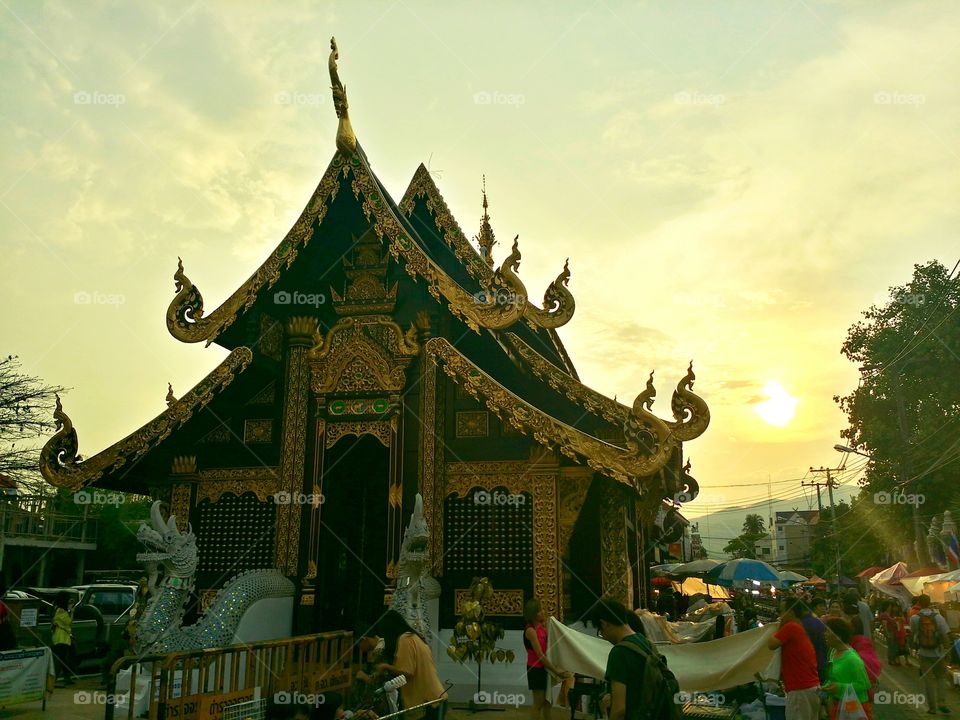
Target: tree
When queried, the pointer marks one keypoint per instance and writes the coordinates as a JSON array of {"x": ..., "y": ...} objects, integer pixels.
[
  {"x": 26, "y": 414},
  {"x": 754, "y": 529},
  {"x": 753, "y": 525},
  {"x": 860, "y": 534},
  {"x": 905, "y": 414}
]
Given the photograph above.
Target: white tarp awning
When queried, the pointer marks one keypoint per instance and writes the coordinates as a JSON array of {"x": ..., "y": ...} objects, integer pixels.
[{"x": 699, "y": 667}]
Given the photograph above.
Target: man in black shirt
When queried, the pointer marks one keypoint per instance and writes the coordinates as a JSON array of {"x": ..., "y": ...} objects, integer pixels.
[{"x": 624, "y": 666}]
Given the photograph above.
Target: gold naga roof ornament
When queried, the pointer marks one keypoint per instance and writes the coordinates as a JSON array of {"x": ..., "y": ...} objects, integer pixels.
[
  {"x": 171, "y": 398},
  {"x": 60, "y": 464},
  {"x": 690, "y": 412},
  {"x": 558, "y": 303},
  {"x": 346, "y": 139},
  {"x": 649, "y": 443}
]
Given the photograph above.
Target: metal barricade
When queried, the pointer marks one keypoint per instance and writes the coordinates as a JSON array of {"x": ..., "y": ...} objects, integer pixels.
[{"x": 205, "y": 683}]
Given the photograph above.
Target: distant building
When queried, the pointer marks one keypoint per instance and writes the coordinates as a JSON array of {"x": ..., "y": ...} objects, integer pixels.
[
  {"x": 788, "y": 544},
  {"x": 43, "y": 539}
]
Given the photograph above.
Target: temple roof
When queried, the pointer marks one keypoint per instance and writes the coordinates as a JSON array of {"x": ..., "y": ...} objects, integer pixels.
[
  {"x": 513, "y": 361},
  {"x": 61, "y": 465}
]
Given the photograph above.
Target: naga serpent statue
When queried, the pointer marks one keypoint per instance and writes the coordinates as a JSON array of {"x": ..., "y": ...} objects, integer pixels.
[
  {"x": 415, "y": 586},
  {"x": 160, "y": 628}
]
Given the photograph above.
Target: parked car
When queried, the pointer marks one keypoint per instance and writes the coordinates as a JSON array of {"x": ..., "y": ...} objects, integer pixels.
[
  {"x": 113, "y": 600},
  {"x": 89, "y": 631}
]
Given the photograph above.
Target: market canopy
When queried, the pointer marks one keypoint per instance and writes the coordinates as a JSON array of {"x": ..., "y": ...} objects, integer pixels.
[
  {"x": 743, "y": 571},
  {"x": 815, "y": 580},
  {"x": 870, "y": 571},
  {"x": 697, "y": 567},
  {"x": 890, "y": 576},
  {"x": 788, "y": 576}
]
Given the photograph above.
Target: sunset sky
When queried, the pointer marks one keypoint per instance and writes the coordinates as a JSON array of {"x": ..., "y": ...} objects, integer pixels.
[{"x": 733, "y": 183}]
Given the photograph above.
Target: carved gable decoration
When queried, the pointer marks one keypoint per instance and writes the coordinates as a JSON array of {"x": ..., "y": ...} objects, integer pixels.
[
  {"x": 363, "y": 354},
  {"x": 367, "y": 290}
]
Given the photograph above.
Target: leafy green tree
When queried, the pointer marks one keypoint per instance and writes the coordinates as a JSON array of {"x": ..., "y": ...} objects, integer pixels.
[
  {"x": 863, "y": 534},
  {"x": 905, "y": 414},
  {"x": 117, "y": 525},
  {"x": 742, "y": 546}
]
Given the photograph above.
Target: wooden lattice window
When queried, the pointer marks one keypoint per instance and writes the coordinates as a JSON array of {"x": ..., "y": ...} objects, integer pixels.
[
  {"x": 235, "y": 534},
  {"x": 488, "y": 532}
]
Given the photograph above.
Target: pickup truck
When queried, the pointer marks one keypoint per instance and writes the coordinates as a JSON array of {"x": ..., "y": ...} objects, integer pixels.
[{"x": 89, "y": 631}]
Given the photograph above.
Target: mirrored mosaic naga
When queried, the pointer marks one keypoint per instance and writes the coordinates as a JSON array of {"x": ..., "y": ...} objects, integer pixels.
[
  {"x": 174, "y": 554},
  {"x": 415, "y": 586}
]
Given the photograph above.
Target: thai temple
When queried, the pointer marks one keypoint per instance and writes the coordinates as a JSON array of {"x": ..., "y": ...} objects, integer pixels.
[{"x": 377, "y": 355}]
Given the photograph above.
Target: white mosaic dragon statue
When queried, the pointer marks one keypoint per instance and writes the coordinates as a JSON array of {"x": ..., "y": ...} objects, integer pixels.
[
  {"x": 415, "y": 586},
  {"x": 160, "y": 628}
]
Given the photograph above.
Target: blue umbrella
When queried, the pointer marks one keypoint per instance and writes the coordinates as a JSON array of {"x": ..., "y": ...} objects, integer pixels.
[{"x": 741, "y": 571}]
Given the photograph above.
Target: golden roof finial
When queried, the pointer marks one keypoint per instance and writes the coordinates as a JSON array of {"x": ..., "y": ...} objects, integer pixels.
[
  {"x": 486, "y": 239},
  {"x": 346, "y": 139},
  {"x": 171, "y": 399}
]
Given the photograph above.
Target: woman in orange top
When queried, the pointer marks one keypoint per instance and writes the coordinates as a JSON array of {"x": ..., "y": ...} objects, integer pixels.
[{"x": 407, "y": 653}]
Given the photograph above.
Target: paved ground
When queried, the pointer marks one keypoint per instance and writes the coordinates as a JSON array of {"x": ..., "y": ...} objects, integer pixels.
[
  {"x": 80, "y": 703},
  {"x": 902, "y": 682}
]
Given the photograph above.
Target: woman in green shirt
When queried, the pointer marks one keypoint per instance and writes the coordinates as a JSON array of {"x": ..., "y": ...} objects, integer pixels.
[{"x": 845, "y": 668}]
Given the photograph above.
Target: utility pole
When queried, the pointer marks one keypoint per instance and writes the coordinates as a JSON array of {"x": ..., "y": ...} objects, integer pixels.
[
  {"x": 817, "y": 485},
  {"x": 833, "y": 512}
]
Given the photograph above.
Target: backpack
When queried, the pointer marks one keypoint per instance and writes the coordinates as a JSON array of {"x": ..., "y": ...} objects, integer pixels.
[
  {"x": 660, "y": 685},
  {"x": 928, "y": 636}
]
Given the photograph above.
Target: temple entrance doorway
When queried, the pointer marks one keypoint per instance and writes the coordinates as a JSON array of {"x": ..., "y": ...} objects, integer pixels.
[{"x": 351, "y": 566}]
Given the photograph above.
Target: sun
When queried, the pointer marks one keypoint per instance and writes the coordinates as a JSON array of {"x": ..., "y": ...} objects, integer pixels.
[{"x": 779, "y": 407}]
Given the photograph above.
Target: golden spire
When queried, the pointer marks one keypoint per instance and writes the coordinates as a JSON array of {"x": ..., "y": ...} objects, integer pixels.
[
  {"x": 346, "y": 139},
  {"x": 486, "y": 238}
]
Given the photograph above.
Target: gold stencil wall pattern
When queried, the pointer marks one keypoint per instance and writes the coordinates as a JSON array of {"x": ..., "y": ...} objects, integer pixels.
[
  {"x": 519, "y": 477},
  {"x": 293, "y": 443}
]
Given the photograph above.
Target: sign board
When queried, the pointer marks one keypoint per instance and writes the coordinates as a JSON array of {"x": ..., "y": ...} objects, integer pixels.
[
  {"x": 28, "y": 617},
  {"x": 23, "y": 675}
]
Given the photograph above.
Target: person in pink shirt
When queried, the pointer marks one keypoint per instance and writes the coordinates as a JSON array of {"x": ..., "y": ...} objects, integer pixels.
[{"x": 535, "y": 641}]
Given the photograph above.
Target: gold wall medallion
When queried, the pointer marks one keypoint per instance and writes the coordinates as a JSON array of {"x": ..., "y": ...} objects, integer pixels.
[
  {"x": 473, "y": 423},
  {"x": 258, "y": 430}
]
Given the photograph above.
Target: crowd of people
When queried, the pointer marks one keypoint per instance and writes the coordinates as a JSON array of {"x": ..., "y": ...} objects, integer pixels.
[{"x": 828, "y": 651}]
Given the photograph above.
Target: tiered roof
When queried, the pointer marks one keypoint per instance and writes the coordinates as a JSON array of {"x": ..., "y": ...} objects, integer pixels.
[{"x": 509, "y": 355}]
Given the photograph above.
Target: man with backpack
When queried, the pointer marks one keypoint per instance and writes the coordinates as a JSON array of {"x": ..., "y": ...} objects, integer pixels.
[
  {"x": 798, "y": 663},
  {"x": 641, "y": 685},
  {"x": 931, "y": 636}
]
